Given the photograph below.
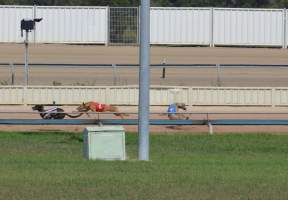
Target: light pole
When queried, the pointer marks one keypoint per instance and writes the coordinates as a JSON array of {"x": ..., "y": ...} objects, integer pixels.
[
  {"x": 144, "y": 81},
  {"x": 26, "y": 78},
  {"x": 27, "y": 25}
]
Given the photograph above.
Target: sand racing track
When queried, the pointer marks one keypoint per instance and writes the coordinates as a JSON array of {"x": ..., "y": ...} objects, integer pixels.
[{"x": 183, "y": 55}]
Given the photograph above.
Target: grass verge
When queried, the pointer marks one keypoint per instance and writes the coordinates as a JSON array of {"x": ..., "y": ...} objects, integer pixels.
[{"x": 50, "y": 166}]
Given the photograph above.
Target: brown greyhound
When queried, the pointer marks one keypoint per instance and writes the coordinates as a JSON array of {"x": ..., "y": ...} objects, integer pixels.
[{"x": 99, "y": 107}]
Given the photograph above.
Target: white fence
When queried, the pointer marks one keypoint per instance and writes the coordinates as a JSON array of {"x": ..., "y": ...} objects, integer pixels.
[
  {"x": 179, "y": 26},
  {"x": 10, "y": 18},
  {"x": 72, "y": 25},
  {"x": 159, "y": 95},
  {"x": 60, "y": 24},
  {"x": 219, "y": 26},
  {"x": 253, "y": 27}
]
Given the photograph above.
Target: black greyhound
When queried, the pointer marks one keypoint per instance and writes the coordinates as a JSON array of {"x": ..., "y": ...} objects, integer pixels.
[{"x": 53, "y": 113}]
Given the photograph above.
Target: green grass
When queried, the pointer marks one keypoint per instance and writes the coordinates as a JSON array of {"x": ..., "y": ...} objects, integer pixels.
[{"x": 50, "y": 166}]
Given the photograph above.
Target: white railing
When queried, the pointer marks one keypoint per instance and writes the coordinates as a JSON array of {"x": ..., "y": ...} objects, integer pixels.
[
  {"x": 159, "y": 95},
  {"x": 179, "y": 26}
]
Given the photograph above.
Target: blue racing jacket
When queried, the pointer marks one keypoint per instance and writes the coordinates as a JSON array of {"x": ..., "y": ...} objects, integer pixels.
[{"x": 172, "y": 108}]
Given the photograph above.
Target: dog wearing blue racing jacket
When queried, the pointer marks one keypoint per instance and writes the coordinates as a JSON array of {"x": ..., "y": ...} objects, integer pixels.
[{"x": 173, "y": 111}]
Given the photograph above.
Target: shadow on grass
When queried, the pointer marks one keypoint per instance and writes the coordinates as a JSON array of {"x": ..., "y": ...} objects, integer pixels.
[{"x": 66, "y": 136}]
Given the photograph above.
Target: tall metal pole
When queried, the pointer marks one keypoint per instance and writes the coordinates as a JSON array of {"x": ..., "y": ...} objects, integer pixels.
[
  {"x": 144, "y": 81},
  {"x": 26, "y": 59}
]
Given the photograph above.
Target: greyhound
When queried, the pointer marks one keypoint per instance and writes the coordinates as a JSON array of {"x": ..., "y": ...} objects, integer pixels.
[{"x": 53, "y": 113}]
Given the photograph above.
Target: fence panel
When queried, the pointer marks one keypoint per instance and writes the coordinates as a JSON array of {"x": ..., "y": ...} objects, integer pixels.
[
  {"x": 122, "y": 95},
  {"x": 64, "y": 95},
  {"x": 159, "y": 95},
  {"x": 10, "y": 20},
  {"x": 281, "y": 96},
  {"x": 11, "y": 95},
  {"x": 230, "y": 96},
  {"x": 180, "y": 26},
  {"x": 112, "y": 95},
  {"x": 72, "y": 24},
  {"x": 123, "y": 25},
  {"x": 251, "y": 27}
]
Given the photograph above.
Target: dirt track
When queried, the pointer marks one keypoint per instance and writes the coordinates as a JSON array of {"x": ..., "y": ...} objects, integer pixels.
[
  {"x": 119, "y": 54},
  {"x": 185, "y": 55},
  {"x": 163, "y": 129},
  {"x": 89, "y": 54}
]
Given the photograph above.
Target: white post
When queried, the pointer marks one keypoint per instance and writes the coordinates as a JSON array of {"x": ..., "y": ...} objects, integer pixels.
[
  {"x": 108, "y": 27},
  {"x": 34, "y": 17},
  {"x": 273, "y": 96},
  {"x": 212, "y": 27},
  {"x": 210, "y": 128},
  {"x": 284, "y": 45},
  {"x": 190, "y": 100}
]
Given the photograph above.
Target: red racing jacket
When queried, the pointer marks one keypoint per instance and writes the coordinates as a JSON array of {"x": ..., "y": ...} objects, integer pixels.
[{"x": 98, "y": 107}]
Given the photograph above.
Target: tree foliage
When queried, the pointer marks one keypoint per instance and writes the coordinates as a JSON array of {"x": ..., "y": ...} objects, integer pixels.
[{"x": 164, "y": 3}]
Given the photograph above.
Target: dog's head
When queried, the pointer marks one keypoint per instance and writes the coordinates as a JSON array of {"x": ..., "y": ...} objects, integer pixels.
[
  {"x": 181, "y": 106},
  {"x": 84, "y": 107},
  {"x": 38, "y": 107}
]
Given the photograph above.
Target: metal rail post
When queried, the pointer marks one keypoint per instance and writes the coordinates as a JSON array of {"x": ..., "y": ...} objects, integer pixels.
[
  {"x": 26, "y": 78},
  {"x": 219, "y": 83},
  {"x": 114, "y": 74},
  {"x": 12, "y": 69},
  {"x": 164, "y": 69},
  {"x": 144, "y": 81}
]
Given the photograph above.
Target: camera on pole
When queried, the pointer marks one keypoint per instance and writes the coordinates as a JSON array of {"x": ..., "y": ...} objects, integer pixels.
[{"x": 27, "y": 25}]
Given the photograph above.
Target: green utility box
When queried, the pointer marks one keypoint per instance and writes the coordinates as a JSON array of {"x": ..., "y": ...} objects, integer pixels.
[{"x": 104, "y": 143}]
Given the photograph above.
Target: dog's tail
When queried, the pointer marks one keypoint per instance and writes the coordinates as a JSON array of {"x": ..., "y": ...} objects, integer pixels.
[{"x": 74, "y": 116}]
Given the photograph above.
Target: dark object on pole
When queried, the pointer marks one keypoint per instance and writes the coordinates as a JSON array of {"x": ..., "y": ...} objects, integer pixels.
[{"x": 28, "y": 24}]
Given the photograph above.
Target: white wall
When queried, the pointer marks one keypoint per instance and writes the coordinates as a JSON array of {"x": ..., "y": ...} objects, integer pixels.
[
  {"x": 253, "y": 27},
  {"x": 240, "y": 96},
  {"x": 10, "y": 20},
  {"x": 11, "y": 95},
  {"x": 159, "y": 95},
  {"x": 72, "y": 25},
  {"x": 180, "y": 26},
  {"x": 59, "y": 24}
]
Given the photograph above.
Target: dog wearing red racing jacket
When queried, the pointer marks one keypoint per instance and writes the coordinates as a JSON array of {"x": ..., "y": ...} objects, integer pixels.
[{"x": 99, "y": 107}]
